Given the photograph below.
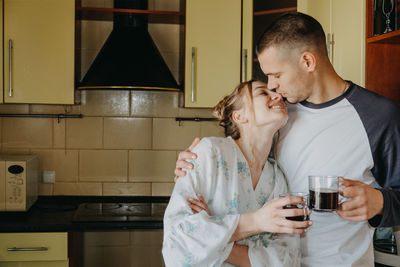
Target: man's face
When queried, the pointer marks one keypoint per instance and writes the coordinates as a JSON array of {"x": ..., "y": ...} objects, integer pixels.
[{"x": 284, "y": 74}]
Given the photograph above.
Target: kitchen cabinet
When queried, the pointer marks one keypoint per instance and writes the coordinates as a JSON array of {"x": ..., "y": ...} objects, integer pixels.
[
  {"x": 33, "y": 250},
  {"x": 219, "y": 50},
  {"x": 382, "y": 60},
  {"x": 344, "y": 25},
  {"x": 39, "y": 51},
  {"x": 212, "y": 50}
]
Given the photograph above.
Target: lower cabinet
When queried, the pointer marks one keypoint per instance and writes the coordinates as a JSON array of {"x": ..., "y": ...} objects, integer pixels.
[
  {"x": 34, "y": 250},
  {"x": 135, "y": 248}
]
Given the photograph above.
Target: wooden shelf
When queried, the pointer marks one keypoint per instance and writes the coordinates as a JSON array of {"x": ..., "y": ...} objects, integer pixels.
[
  {"x": 387, "y": 38},
  {"x": 275, "y": 11},
  {"x": 155, "y": 16}
]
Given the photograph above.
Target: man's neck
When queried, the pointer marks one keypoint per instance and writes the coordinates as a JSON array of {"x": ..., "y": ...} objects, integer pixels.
[{"x": 327, "y": 87}]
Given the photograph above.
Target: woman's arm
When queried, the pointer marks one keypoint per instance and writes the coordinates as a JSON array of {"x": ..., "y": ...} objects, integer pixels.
[{"x": 197, "y": 239}]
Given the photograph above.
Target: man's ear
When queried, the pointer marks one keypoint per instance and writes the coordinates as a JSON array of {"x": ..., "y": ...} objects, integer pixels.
[
  {"x": 308, "y": 61},
  {"x": 239, "y": 117}
]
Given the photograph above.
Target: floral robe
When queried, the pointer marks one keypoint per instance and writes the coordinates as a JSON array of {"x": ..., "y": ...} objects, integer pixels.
[{"x": 222, "y": 176}]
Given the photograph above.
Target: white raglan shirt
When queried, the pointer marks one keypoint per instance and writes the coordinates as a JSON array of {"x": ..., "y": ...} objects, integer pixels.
[{"x": 336, "y": 138}]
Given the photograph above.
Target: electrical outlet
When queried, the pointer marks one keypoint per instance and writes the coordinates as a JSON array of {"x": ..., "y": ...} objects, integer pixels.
[{"x": 49, "y": 177}]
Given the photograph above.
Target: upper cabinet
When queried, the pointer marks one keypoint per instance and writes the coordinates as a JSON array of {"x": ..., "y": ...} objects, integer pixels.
[
  {"x": 383, "y": 51},
  {"x": 344, "y": 25},
  {"x": 39, "y": 51},
  {"x": 219, "y": 46},
  {"x": 212, "y": 50}
]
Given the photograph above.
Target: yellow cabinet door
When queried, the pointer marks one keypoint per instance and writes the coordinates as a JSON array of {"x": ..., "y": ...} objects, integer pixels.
[
  {"x": 32, "y": 247},
  {"x": 39, "y": 47},
  {"x": 1, "y": 54},
  {"x": 212, "y": 50},
  {"x": 247, "y": 41},
  {"x": 344, "y": 25}
]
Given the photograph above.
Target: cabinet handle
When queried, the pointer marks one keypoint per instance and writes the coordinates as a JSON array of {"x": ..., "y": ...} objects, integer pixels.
[
  {"x": 329, "y": 46},
  {"x": 193, "y": 64},
  {"x": 244, "y": 64},
  {"x": 28, "y": 249},
  {"x": 10, "y": 67}
]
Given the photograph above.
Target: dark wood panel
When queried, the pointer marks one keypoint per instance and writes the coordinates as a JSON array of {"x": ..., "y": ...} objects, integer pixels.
[{"x": 383, "y": 69}]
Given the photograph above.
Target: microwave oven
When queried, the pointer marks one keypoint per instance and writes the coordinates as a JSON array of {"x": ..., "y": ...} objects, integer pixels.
[{"x": 18, "y": 182}]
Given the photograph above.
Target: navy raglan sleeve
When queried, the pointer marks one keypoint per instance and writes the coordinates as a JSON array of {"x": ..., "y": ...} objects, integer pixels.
[{"x": 381, "y": 119}]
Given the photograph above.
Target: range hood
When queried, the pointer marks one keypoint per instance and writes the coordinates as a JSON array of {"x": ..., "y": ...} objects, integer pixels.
[{"x": 129, "y": 58}]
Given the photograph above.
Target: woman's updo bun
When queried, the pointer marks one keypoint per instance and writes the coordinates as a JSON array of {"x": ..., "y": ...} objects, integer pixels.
[{"x": 223, "y": 111}]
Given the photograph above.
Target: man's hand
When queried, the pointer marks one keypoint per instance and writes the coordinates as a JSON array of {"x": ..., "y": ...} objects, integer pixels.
[
  {"x": 365, "y": 203},
  {"x": 181, "y": 163}
]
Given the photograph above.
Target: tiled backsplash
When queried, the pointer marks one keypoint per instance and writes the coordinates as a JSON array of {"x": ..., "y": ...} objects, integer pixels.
[{"x": 126, "y": 143}]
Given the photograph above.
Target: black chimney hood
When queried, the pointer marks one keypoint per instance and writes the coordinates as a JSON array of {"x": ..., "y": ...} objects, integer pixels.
[{"x": 129, "y": 58}]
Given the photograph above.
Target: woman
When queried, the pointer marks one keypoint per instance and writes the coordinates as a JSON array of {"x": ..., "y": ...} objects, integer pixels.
[{"x": 240, "y": 186}]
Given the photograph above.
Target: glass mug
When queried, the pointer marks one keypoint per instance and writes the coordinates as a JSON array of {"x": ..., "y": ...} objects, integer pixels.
[
  {"x": 324, "y": 192},
  {"x": 304, "y": 206}
]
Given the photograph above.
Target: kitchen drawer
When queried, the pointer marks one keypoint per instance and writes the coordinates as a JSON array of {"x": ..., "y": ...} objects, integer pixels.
[{"x": 55, "y": 247}]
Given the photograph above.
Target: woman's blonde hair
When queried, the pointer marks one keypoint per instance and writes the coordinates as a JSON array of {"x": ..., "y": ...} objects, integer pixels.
[{"x": 223, "y": 111}]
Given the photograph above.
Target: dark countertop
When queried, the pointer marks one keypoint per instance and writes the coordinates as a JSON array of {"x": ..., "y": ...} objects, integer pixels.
[{"x": 55, "y": 214}]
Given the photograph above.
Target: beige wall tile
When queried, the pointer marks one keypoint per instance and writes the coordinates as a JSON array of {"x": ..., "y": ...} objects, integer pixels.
[
  {"x": 151, "y": 166},
  {"x": 167, "y": 134},
  {"x": 87, "y": 58},
  {"x": 166, "y": 36},
  {"x": 127, "y": 133},
  {"x": 77, "y": 189},
  {"x": 154, "y": 104},
  {"x": 105, "y": 103},
  {"x": 162, "y": 189},
  {"x": 14, "y": 108},
  {"x": 172, "y": 60},
  {"x": 109, "y": 238},
  {"x": 45, "y": 189},
  {"x": 103, "y": 165},
  {"x": 59, "y": 140},
  {"x": 126, "y": 189},
  {"x": 85, "y": 133},
  {"x": 172, "y": 5},
  {"x": 27, "y": 132},
  {"x": 211, "y": 128},
  {"x": 7, "y": 150},
  {"x": 54, "y": 109},
  {"x": 94, "y": 33},
  {"x": 66, "y": 165},
  {"x": 195, "y": 112}
]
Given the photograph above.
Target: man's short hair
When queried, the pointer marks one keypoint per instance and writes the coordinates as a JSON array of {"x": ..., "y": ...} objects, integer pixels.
[{"x": 294, "y": 30}]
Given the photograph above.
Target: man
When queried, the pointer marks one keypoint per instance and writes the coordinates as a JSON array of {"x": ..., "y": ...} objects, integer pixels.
[{"x": 335, "y": 128}]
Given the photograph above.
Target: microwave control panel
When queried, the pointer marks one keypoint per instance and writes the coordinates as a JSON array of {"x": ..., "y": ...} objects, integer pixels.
[{"x": 15, "y": 185}]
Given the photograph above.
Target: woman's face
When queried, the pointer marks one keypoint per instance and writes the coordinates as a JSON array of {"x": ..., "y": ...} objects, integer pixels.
[{"x": 269, "y": 108}]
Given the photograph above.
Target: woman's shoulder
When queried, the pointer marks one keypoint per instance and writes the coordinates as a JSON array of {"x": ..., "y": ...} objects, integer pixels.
[{"x": 212, "y": 143}]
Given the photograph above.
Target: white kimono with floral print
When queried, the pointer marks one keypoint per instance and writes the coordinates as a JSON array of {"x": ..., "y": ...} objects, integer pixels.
[{"x": 222, "y": 176}]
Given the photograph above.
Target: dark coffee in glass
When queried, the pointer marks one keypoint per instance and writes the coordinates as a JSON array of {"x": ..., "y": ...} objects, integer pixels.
[
  {"x": 324, "y": 192},
  {"x": 323, "y": 200},
  {"x": 305, "y": 217}
]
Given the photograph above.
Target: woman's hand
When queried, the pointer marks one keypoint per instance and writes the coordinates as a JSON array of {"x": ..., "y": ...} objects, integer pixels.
[
  {"x": 198, "y": 205},
  {"x": 272, "y": 217}
]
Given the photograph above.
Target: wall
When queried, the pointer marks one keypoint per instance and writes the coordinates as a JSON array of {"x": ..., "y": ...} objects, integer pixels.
[{"x": 126, "y": 143}]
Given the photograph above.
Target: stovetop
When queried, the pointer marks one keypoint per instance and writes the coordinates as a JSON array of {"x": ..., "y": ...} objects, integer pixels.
[{"x": 113, "y": 212}]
